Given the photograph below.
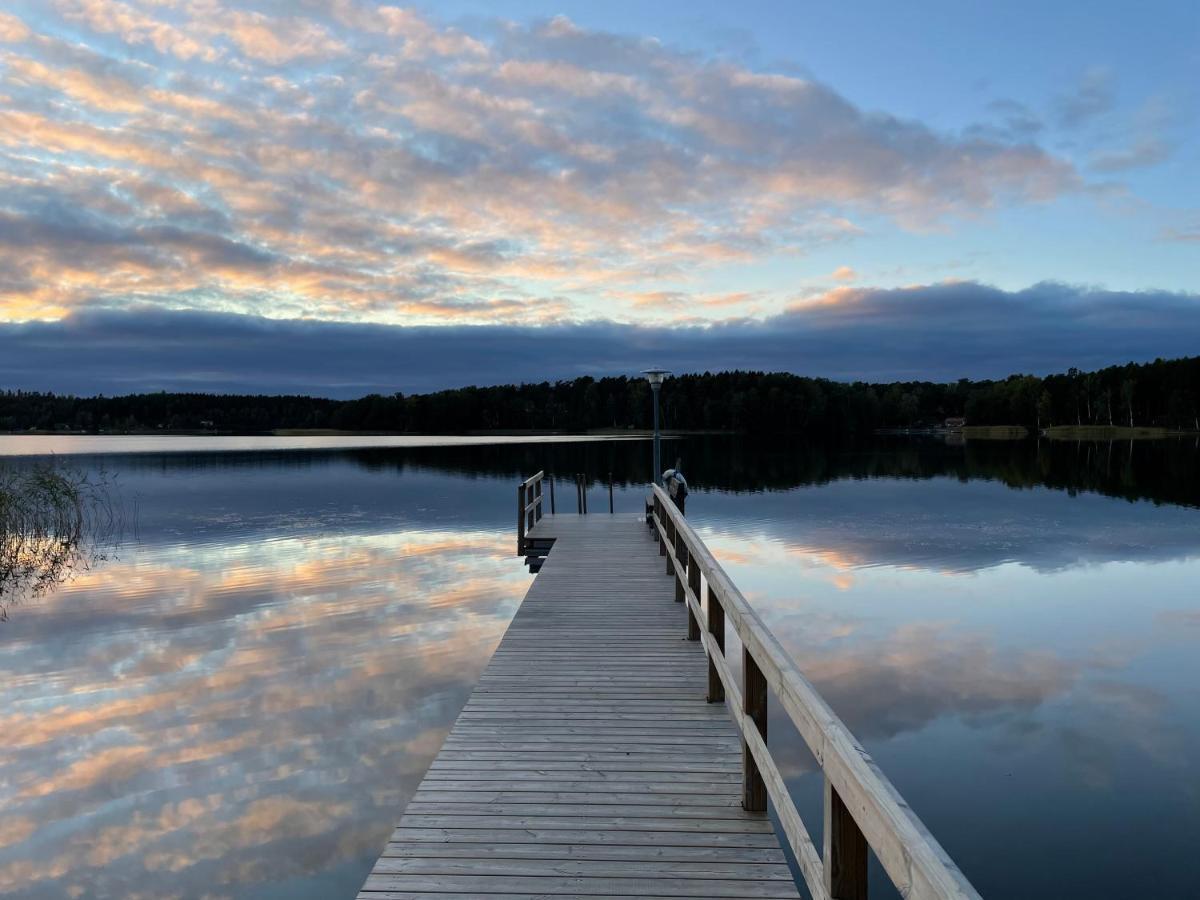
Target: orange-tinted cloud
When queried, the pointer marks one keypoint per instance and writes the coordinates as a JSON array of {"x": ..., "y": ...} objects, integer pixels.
[{"x": 446, "y": 176}]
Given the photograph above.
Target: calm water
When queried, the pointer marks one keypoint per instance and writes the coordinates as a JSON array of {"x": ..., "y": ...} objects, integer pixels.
[{"x": 240, "y": 703}]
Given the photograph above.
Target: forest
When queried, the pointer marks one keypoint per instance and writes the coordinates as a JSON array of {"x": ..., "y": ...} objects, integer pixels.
[{"x": 1163, "y": 393}]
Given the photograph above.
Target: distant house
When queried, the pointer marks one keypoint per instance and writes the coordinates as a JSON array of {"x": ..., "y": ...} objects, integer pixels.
[{"x": 955, "y": 422}]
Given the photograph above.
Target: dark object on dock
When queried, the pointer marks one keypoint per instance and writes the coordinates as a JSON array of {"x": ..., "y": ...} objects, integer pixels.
[{"x": 676, "y": 485}]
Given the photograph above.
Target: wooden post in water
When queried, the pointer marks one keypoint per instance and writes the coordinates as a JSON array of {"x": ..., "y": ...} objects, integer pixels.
[
  {"x": 845, "y": 862},
  {"x": 716, "y": 627},
  {"x": 754, "y": 705},
  {"x": 610, "y": 494},
  {"x": 551, "y": 495}
]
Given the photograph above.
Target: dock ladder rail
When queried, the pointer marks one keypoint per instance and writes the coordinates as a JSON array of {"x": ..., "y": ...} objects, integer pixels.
[
  {"x": 862, "y": 808},
  {"x": 529, "y": 507}
]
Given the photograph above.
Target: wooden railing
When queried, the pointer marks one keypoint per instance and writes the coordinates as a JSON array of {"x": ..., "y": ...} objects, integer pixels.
[
  {"x": 862, "y": 808},
  {"x": 529, "y": 507}
]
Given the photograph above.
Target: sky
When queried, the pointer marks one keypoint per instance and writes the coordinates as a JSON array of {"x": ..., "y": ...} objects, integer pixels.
[{"x": 340, "y": 197}]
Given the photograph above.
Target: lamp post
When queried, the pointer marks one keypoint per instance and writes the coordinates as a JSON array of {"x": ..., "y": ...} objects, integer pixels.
[{"x": 655, "y": 377}]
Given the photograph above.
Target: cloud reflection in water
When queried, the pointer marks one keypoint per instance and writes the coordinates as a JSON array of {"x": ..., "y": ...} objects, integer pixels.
[
  {"x": 1024, "y": 655},
  {"x": 240, "y": 707},
  {"x": 245, "y": 716}
]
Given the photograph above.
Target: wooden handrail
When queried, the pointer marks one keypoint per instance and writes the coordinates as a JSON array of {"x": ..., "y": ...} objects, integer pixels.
[
  {"x": 862, "y": 808},
  {"x": 529, "y": 507}
]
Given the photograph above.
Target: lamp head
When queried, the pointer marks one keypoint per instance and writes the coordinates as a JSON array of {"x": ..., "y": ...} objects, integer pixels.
[{"x": 656, "y": 376}]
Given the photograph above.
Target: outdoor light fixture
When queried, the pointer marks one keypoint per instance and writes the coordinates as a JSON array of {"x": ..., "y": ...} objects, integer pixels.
[{"x": 655, "y": 377}]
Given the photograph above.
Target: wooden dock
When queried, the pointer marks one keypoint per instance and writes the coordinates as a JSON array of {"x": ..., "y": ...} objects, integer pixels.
[{"x": 594, "y": 758}]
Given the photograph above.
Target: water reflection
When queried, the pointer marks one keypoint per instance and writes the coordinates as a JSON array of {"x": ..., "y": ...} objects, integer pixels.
[
  {"x": 248, "y": 716},
  {"x": 240, "y": 704},
  {"x": 1164, "y": 471},
  {"x": 1021, "y": 663},
  {"x": 948, "y": 526}
]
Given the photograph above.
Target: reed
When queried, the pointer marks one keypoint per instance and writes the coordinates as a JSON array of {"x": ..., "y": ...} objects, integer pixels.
[{"x": 55, "y": 522}]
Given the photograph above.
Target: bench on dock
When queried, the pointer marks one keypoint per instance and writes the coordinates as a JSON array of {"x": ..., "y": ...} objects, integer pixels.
[{"x": 608, "y": 750}]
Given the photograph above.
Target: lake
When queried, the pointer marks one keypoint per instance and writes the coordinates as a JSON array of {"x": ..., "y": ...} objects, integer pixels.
[{"x": 238, "y": 701}]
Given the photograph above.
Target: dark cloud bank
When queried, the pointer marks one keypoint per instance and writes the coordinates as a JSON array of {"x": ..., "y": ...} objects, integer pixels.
[{"x": 940, "y": 333}]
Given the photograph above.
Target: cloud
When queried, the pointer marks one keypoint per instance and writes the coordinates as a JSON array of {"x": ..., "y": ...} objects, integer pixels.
[
  {"x": 1185, "y": 233},
  {"x": 1145, "y": 151},
  {"x": 12, "y": 29},
  {"x": 1091, "y": 98},
  {"x": 393, "y": 167},
  {"x": 940, "y": 332},
  {"x": 133, "y": 26},
  {"x": 278, "y": 40},
  {"x": 1016, "y": 120},
  {"x": 1150, "y": 137}
]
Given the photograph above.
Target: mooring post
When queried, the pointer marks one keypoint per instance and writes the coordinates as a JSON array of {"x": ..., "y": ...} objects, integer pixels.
[
  {"x": 845, "y": 856},
  {"x": 610, "y": 494},
  {"x": 754, "y": 705}
]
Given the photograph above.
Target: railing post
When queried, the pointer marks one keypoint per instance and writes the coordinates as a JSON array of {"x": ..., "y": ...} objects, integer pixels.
[
  {"x": 694, "y": 584},
  {"x": 716, "y": 627},
  {"x": 530, "y": 507},
  {"x": 845, "y": 851},
  {"x": 537, "y": 510},
  {"x": 681, "y": 559},
  {"x": 521, "y": 519},
  {"x": 610, "y": 494},
  {"x": 552, "y": 494},
  {"x": 754, "y": 705},
  {"x": 671, "y": 539},
  {"x": 578, "y": 494},
  {"x": 660, "y": 537}
]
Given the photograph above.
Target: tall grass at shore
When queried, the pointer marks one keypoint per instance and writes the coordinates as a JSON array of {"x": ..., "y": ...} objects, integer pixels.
[{"x": 55, "y": 522}]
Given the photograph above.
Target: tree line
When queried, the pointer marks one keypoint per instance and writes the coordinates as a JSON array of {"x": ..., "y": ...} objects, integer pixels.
[{"x": 1164, "y": 393}]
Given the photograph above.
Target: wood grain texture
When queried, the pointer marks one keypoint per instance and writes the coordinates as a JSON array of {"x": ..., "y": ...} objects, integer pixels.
[{"x": 587, "y": 761}]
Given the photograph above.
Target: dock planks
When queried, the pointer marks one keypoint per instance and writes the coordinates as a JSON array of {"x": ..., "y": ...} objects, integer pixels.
[{"x": 586, "y": 762}]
